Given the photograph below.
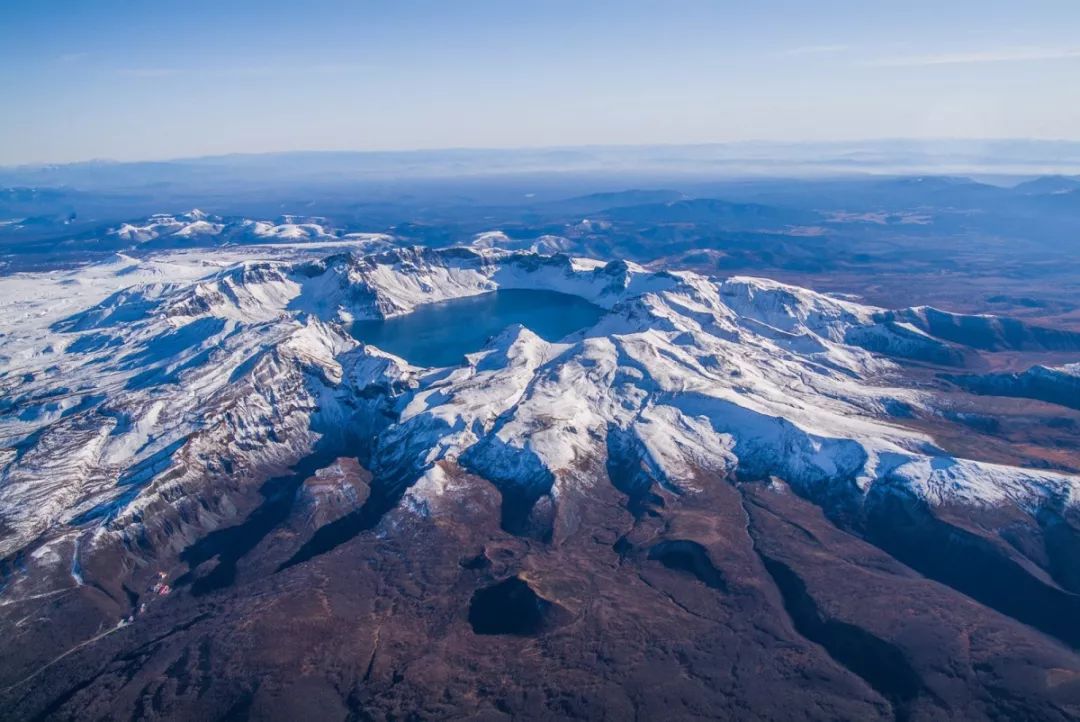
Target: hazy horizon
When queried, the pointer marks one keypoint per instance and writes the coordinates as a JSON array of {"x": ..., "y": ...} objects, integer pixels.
[
  {"x": 402, "y": 151},
  {"x": 142, "y": 81}
]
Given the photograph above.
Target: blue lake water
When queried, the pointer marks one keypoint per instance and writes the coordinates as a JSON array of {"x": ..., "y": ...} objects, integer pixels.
[{"x": 439, "y": 334}]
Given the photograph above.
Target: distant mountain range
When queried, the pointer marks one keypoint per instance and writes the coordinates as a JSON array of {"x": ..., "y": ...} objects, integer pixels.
[{"x": 805, "y": 159}]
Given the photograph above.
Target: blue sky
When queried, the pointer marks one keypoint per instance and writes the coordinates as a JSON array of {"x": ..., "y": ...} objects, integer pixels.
[{"x": 159, "y": 79}]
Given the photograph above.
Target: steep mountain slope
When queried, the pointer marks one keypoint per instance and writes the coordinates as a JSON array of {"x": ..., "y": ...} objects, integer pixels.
[
  {"x": 713, "y": 460},
  {"x": 1056, "y": 385}
]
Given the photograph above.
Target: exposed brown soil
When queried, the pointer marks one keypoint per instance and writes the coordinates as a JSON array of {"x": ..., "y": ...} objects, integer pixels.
[{"x": 743, "y": 601}]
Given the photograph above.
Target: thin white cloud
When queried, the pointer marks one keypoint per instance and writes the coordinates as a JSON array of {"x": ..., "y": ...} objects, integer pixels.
[
  {"x": 1004, "y": 55},
  {"x": 338, "y": 68},
  {"x": 328, "y": 68},
  {"x": 815, "y": 50},
  {"x": 148, "y": 72},
  {"x": 71, "y": 57}
]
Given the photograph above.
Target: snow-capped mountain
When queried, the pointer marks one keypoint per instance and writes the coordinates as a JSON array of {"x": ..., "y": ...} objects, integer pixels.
[
  {"x": 741, "y": 375},
  {"x": 137, "y": 427},
  {"x": 196, "y": 228}
]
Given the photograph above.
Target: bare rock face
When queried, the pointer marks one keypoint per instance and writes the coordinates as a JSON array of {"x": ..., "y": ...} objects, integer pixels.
[
  {"x": 724, "y": 499},
  {"x": 332, "y": 492}
]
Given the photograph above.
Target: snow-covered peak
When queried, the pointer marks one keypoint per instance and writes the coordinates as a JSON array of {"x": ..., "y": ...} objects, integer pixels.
[
  {"x": 196, "y": 227},
  {"x": 691, "y": 379},
  {"x": 791, "y": 308}
]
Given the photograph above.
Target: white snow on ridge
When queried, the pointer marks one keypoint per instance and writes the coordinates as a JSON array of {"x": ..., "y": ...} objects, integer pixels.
[
  {"x": 196, "y": 228},
  {"x": 129, "y": 384},
  {"x": 395, "y": 282}
]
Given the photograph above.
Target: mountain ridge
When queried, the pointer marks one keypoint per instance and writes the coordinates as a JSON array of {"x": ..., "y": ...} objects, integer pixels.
[{"x": 224, "y": 393}]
